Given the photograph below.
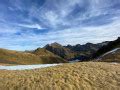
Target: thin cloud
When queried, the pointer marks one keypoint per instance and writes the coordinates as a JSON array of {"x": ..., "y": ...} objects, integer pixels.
[
  {"x": 37, "y": 26},
  {"x": 28, "y": 24}
]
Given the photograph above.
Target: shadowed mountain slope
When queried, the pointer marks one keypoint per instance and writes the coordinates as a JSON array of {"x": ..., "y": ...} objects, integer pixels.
[
  {"x": 69, "y": 52},
  {"x": 109, "y": 52},
  {"x": 60, "y": 50},
  {"x": 106, "y": 48},
  {"x": 111, "y": 56}
]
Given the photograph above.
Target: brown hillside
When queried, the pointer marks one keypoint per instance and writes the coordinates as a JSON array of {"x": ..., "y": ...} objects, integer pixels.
[{"x": 15, "y": 57}]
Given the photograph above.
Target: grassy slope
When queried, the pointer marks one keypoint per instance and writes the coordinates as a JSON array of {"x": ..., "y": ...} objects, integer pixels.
[
  {"x": 110, "y": 46},
  {"x": 77, "y": 76},
  {"x": 47, "y": 56},
  {"x": 42, "y": 52},
  {"x": 111, "y": 57},
  {"x": 14, "y": 57}
]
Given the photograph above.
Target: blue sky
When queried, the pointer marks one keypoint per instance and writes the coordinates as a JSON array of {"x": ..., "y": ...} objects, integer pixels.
[{"x": 28, "y": 24}]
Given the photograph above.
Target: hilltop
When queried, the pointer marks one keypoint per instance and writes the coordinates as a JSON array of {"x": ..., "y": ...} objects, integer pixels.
[{"x": 40, "y": 56}]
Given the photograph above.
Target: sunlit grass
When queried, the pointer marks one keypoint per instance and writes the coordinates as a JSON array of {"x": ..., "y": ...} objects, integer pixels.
[
  {"x": 15, "y": 57},
  {"x": 76, "y": 76}
]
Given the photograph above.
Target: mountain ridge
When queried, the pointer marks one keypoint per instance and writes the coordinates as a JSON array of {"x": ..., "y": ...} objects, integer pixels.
[
  {"x": 74, "y": 52},
  {"x": 56, "y": 53},
  {"x": 109, "y": 52},
  {"x": 111, "y": 45}
]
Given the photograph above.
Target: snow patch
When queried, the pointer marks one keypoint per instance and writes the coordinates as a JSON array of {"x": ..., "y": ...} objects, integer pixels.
[
  {"x": 73, "y": 61},
  {"x": 110, "y": 52},
  {"x": 27, "y": 67}
]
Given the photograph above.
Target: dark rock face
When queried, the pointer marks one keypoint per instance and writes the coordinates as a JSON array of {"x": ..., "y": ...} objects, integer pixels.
[
  {"x": 111, "y": 56},
  {"x": 86, "y": 47},
  {"x": 58, "y": 50},
  {"x": 106, "y": 48},
  {"x": 69, "y": 52},
  {"x": 82, "y": 48}
]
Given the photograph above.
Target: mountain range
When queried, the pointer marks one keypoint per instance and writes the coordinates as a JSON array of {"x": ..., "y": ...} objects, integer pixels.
[
  {"x": 69, "y": 52},
  {"x": 56, "y": 53}
]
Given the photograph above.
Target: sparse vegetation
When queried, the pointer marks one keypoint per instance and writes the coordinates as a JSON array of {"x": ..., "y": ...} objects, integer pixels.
[{"x": 76, "y": 76}]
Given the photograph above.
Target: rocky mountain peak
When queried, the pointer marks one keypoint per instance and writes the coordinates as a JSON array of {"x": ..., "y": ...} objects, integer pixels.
[{"x": 55, "y": 44}]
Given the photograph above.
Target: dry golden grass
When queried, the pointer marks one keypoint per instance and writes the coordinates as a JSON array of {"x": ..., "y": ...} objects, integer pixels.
[
  {"x": 16, "y": 57},
  {"x": 75, "y": 76}
]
